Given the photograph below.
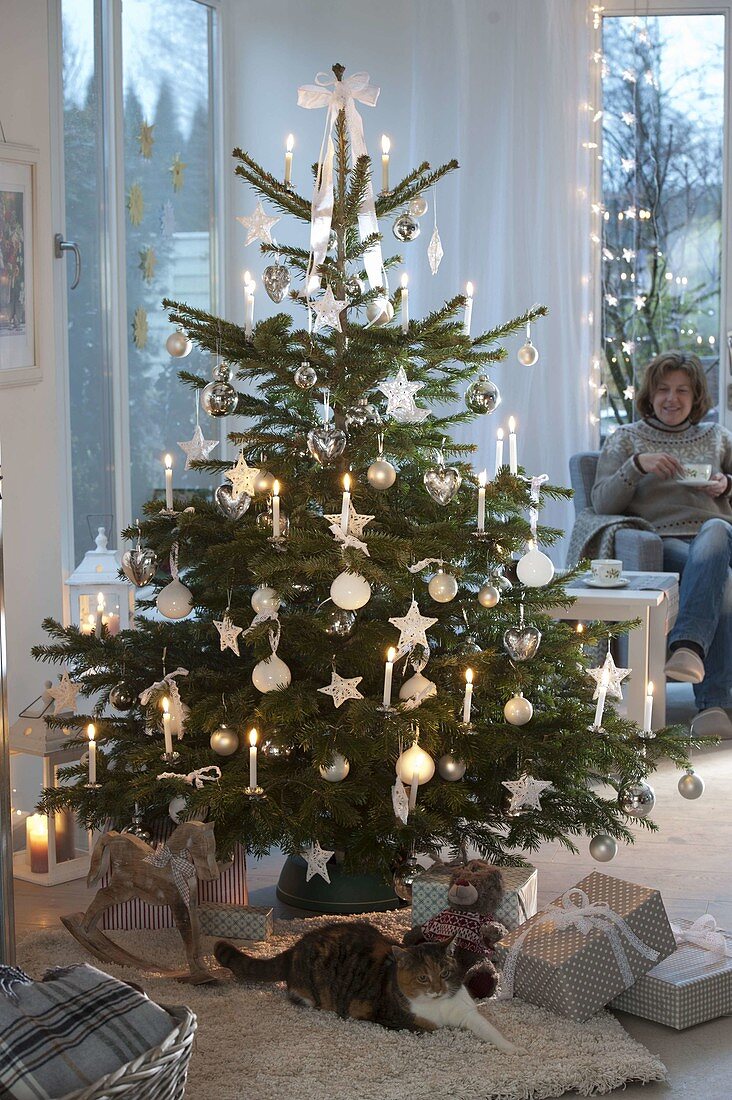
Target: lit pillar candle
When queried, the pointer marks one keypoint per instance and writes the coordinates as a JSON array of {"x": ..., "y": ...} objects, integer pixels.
[
  {"x": 388, "y": 674},
  {"x": 246, "y": 278},
  {"x": 385, "y": 147},
  {"x": 405, "y": 302},
  {"x": 413, "y": 788},
  {"x": 481, "y": 500},
  {"x": 648, "y": 709},
  {"x": 276, "y": 510},
  {"x": 499, "y": 449},
  {"x": 468, "y": 309},
  {"x": 346, "y": 504},
  {"x": 36, "y": 838},
  {"x": 600, "y": 708},
  {"x": 167, "y": 732},
  {"x": 512, "y": 450},
  {"x": 289, "y": 145},
  {"x": 249, "y": 309},
  {"x": 113, "y": 622},
  {"x": 100, "y": 615},
  {"x": 169, "y": 483},
  {"x": 252, "y": 759},
  {"x": 92, "y": 733},
  {"x": 468, "y": 700}
]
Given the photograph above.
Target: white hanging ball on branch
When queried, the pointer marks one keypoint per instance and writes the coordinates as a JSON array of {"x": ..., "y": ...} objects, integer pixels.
[
  {"x": 443, "y": 587},
  {"x": 381, "y": 474},
  {"x": 178, "y": 345},
  {"x": 265, "y": 599},
  {"x": 175, "y": 601},
  {"x": 417, "y": 686},
  {"x": 271, "y": 674},
  {"x": 224, "y": 740},
  {"x": 415, "y": 759},
  {"x": 535, "y": 569},
  {"x": 337, "y": 770},
  {"x": 518, "y": 711},
  {"x": 488, "y": 596},
  {"x": 379, "y": 312},
  {"x": 350, "y": 591},
  {"x": 527, "y": 354}
]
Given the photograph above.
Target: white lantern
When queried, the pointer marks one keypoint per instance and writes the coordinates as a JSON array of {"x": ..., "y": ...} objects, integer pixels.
[{"x": 96, "y": 594}]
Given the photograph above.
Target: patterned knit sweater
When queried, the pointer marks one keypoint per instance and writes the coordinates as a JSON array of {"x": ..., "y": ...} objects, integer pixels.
[{"x": 672, "y": 509}]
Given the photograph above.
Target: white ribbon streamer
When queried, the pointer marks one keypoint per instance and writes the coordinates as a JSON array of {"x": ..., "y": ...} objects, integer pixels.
[
  {"x": 261, "y": 617},
  {"x": 420, "y": 565},
  {"x": 586, "y": 917},
  {"x": 197, "y": 777},
  {"x": 703, "y": 933},
  {"x": 169, "y": 687},
  {"x": 348, "y": 540},
  {"x": 536, "y": 483},
  {"x": 341, "y": 95}
]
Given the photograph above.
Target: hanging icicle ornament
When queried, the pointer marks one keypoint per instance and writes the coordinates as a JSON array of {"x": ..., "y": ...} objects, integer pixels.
[
  {"x": 326, "y": 443},
  {"x": 272, "y": 673},
  {"x": 527, "y": 354},
  {"x": 175, "y": 601},
  {"x": 435, "y": 250},
  {"x": 535, "y": 569}
]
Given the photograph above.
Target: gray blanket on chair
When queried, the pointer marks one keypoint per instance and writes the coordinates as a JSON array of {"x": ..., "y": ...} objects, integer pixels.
[{"x": 593, "y": 535}]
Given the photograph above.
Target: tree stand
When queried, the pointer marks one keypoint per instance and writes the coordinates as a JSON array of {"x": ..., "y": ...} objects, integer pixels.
[{"x": 346, "y": 893}]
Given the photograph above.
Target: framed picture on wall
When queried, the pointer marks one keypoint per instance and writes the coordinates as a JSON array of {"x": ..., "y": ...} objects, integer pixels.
[{"x": 18, "y": 336}]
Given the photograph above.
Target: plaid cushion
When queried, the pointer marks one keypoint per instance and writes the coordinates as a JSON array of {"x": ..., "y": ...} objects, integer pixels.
[{"x": 67, "y": 1031}]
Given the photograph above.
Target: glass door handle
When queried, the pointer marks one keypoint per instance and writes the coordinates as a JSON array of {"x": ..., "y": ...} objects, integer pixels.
[{"x": 59, "y": 247}]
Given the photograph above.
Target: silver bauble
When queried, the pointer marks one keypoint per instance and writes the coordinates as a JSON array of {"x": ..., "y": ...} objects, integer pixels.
[
  {"x": 121, "y": 697},
  {"x": 175, "y": 601},
  {"x": 469, "y": 646},
  {"x": 443, "y": 587},
  {"x": 337, "y": 770},
  {"x": 404, "y": 877},
  {"x": 518, "y": 711},
  {"x": 336, "y": 622},
  {"x": 691, "y": 785},
  {"x": 488, "y": 596},
  {"x": 381, "y": 474},
  {"x": 218, "y": 399},
  {"x": 276, "y": 281},
  {"x": 326, "y": 443},
  {"x": 418, "y": 206},
  {"x": 305, "y": 376},
  {"x": 450, "y": 768},
  {"x": 221, "y": 372},
  {"x": 139, "y": 565},
  {"x": 178, "y": 345},
  {"x": 224, "y": 741},
  {"x": 271, "y": 674},
  {"x": 483, "y": 396},
  {"x": 379, "y": 312},
  {"x": 442, "y": 483},
  {"x": 527, "y": 354},
  {"x": 502, "y": 583},
  {"x": 405, "y": 228},
  {"x": 354, "y": 288},
  {"x": 265, "y": 599},
  {"x": 264, "y": 482},
  {"x": 264, "y": 523},
  {"x": 521, "y": 642},
  {"x": 603, "y": 848},
  {"x": 637, "y": 800},
  {"x": 361, "y": 414},
  {"x": 231, "y": 505}
]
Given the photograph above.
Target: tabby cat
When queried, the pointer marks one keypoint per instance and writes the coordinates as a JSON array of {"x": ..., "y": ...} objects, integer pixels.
[{"x": 352, "y": 969}]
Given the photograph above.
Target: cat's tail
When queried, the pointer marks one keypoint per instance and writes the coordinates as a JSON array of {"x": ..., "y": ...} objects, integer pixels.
[{"x": 247, "y": 968}]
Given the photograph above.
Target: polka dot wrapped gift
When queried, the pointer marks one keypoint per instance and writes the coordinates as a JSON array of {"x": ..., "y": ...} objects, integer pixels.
[{"x": 590, "y": 945}]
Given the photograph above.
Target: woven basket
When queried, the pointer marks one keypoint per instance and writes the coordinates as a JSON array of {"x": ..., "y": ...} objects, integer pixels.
[{"x": 159, "y": 1074}]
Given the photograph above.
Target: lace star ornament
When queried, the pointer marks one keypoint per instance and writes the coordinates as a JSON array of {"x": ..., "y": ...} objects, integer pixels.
[
  {"x": 197, "y": 449},
  {"x": 412, "y": 629},
  {"x": 610, "y": 675},
  {"x": 525, "y": 792},
  {"x": 316, "y": 859},
  {"x": 258, "y": 225},
  {"x": 356, "y": 522},
  {"x": 327, "y": 311},
  {"x": 64, "y": 695},
  {"x": 228, "y": 633},
  {"x": 242, "y": 476},
  {"x": 341, "y": 688}
]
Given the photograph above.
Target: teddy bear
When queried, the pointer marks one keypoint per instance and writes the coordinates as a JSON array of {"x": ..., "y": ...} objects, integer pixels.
[{"x": 474, "y": 893}]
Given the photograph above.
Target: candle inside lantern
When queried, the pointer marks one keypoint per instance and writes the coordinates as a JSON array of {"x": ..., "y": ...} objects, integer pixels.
[
  {"x": 405, "y": 302},
  {"x": 112, "y": 622},
  {"x": 91, "y": 734},
  {"x": 413, "y": 788},
  {"x": 512, "y": 450},
  {"x": 36, "y": 838},
  {"x": 481, "y": 500},
  {"x": 468, "y": 316},
  {"x": 468, "y": 700},
  {"x": 289, "y": 145},
  {"x": 276, "y": 510},
  {"x": 499, "y": 449},
  {"x": 599, "y": 709},
  {"x": 169, "y": 483},
  {"x": 100, "y": 614},
  {"x": 388, "y": 674},
  {"x": 385, "y": 147},
  {"x": 648, "y": 708},
  {"x": 253, "y": 758},
  {"x": 167, "y": 732},
  {"x": 346, "y": 503}
]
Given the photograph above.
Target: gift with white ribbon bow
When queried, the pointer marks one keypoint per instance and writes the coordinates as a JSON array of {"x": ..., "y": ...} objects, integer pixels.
[{"x": 705, "y": 933}]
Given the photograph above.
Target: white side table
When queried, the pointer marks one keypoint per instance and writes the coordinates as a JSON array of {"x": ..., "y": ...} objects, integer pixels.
[{"x": 654, "y": 599}]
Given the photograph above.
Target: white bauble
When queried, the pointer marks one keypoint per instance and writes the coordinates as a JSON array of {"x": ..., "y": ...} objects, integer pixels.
[
  {"x": 450, "y": 768},
  {"x": 535, "y": 569},
  {"x": 381, "y": 474},
  {"x": 350, "y": 591},
  {"x": 379, "y": 312},
  {"x": 224, "y": 741},
  {"x": 417, "y": 685},
  {"x": 518, "y": 711},
  {"x": 488, "y": 595},
  {"x": 177, "y": 809},
  {"x": 265, "y": 599},
  {"x": 271, "y": 674},
  {"x": 264, "y": 482},
  {"x": 418, "y": 206},
  {"x": 175, "y": 600},
  {"x": 178, "y": 345},
  {"x": 443, "y": 587},
  {"x": 527, "y": 354},
  {"x": 337, "y": 770},
  {"x": 415, "y": 759}
]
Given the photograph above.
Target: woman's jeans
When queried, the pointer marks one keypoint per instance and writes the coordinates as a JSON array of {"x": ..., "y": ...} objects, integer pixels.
[{"x": 705, "y": 606}]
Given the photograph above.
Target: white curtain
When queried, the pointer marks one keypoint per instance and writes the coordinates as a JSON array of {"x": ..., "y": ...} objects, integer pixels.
[{"x": 500, "y": 85}]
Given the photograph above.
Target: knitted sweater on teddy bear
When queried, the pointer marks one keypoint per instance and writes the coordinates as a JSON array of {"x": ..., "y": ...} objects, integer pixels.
[{"x": 466, "y": 926}]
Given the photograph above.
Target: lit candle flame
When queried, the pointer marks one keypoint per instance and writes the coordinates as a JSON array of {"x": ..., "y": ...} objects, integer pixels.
[
  {"x": 165, "y": 704},
  {"x": 276, "y": 489},
  {"x": 168, "y": 462},
  {"x": 91, "y": 731},
  {"x": 347, "y": 482},
  {"x": 391, "y": 654},
  {"x": 100, "y": 601},
  {"x": 468, "y": 675},
  {"x": 253, "y": 737},
  {"x": 482, "y": 479},
  {"x": 649, "y": 689},
  {"x": 247, "y": 278},
  {"x": 499, "y": 433},
  {"x": 469, "y": 290},
  {"x": 511, "y": 424},
  {"x": 405, "y": 280},
  {"x": 290, "y": 143},
  {"x": 385, "y": 144},
  {"x": 580, "y": 628}
]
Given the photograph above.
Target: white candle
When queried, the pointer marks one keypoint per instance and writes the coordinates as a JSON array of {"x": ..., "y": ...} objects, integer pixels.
[
  {"x": 388, "y": 673},
  {"x": 113, "y": 623},
  {"x": 249, "y": 309},
  {"x": 580, "y": 632},
  {"x": 468, "y": 700},
  {"x": 599, "y": 709},
  {"x": 289, "y": 145},
  {"x": 405, "y": 303},
  {"x": 100, "y": 615},
  {"x": 252, "y": 759},
  {"x": 385, "y": 147},
  {"x": 36, "y": 838},
  {"x": 512, "y": 451},
  {"x": 346, "y": 504},
  {"x": 413, "y": 787},
  {"x": 92, "y": 733},
  {"x": 499, "y": 449},
  {"x": 648, "y": 709},
  {"x": 276, "y": 510},
  {"x": 481, "y": 500},
  {"x": 167, "y": 732},
  {"x": 169, "y": 483},
  {"x": 468, "y": 309},
  {"x": 246, "y": 277}
]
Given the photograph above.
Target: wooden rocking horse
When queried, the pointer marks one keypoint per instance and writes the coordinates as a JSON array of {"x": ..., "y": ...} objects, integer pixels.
[{"x": 163, "y": 876}]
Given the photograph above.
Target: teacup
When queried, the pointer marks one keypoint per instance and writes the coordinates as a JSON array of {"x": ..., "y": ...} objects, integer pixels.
[
  {"x": 606, "y": 570},
  {"x": 697, "y": 471}
]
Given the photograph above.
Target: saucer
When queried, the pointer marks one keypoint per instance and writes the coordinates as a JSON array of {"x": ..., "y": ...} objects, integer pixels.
[
  {"x": 622, "y": 582},
  {"x": 694, "y": 481}
]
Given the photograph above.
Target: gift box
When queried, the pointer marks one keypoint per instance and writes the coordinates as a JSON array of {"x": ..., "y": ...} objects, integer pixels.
[
  {"x": 236, "y": 922},
  {"x": 429, "y": 894},
  {"x": 589, "y": 946},
  {"x": 689, "y": 987}
]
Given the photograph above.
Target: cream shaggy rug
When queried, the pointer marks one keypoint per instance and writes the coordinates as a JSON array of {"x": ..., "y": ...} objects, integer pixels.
[{"x": 252, "y": 1043}]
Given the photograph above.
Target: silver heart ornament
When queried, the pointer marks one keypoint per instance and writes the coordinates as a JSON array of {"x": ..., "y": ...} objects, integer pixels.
[
  {"x": 521, "y": 642},
  {"x": 276, "y": 280},
  {"x": 231, "y": 505},
  {"x": 326, "y": 444},
  {"x": 442, "y": 482},
  {"x": 139, "y": 565}
]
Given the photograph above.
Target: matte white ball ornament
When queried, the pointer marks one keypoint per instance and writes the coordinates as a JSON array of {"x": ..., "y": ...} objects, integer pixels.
[
  {"x": 527, "y": 354},
  {"x": 489, "y": 595},
  {"x": 336, "y": 771},
  {"x": 175, "y": 600},
  {"x": 603, "y": 848},
  {"x": 178, "y": 345},
  {"x": 415, "y": 759},
  {"x": 224, "y": 741},
  {"x": 417, "y": 685},
  {"x": 379, "y": 312},
  {"x": 265, "y": 599},
  {"x": 271, "y": 674},
  {"x": 350, "y": 591},
  {"x": 381, "y": 474},
  {"x": 518, "y": 711},
  {"x": 535, "y": 569},
  {"x": 443, "y": 587}
]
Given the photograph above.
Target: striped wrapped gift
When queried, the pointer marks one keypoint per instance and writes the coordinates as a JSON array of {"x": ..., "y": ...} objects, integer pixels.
[
  {"x": 689, "y": 987},
  {"x": 429, "y": 894}
]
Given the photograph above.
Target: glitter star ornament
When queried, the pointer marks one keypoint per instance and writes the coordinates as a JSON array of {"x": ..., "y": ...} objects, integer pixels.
[
  {"x": 242, "y": 477},
  {"x": 412, "y": 629},
  {"x": 228, "y": 634},
  {"x": 64, "y": 695},
  {"x": 176, "y": 172},
  {"x": 258, "y": 225},
  {"x": 525, "y": 792},
  {"x": 610, "y": 675},
  {"x": 316, "y": 859},
  {"x": 356, "y": 523},
  {"x": 342, "y": 688},
  {"x": 327, "y": 311},
  {"x": 399, "y": 393},
  {"x": 140, "y": 328},
  {"x": 197, "y": 449}
]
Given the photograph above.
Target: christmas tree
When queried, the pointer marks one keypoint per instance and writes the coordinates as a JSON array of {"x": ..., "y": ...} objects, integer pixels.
[{"x": 356, "y": 599}]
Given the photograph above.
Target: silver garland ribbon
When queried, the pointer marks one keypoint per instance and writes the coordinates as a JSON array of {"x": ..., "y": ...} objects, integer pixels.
[
  {"x": 210, "y": 774},
  {"x": 703, "y": 933},
  {"x": 181, "y": 867},
  {"x": 586, "y": 917}
]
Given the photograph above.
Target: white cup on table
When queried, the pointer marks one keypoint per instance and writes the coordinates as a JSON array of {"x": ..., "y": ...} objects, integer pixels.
[{"x": 606, "y": 570}]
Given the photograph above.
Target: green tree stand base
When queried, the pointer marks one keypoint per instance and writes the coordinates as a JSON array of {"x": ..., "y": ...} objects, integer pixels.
[{"x": 345, "y": 894}]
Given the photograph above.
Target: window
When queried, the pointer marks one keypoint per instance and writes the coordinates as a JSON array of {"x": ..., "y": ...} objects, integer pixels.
[{"x": 661, "y": 197}]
